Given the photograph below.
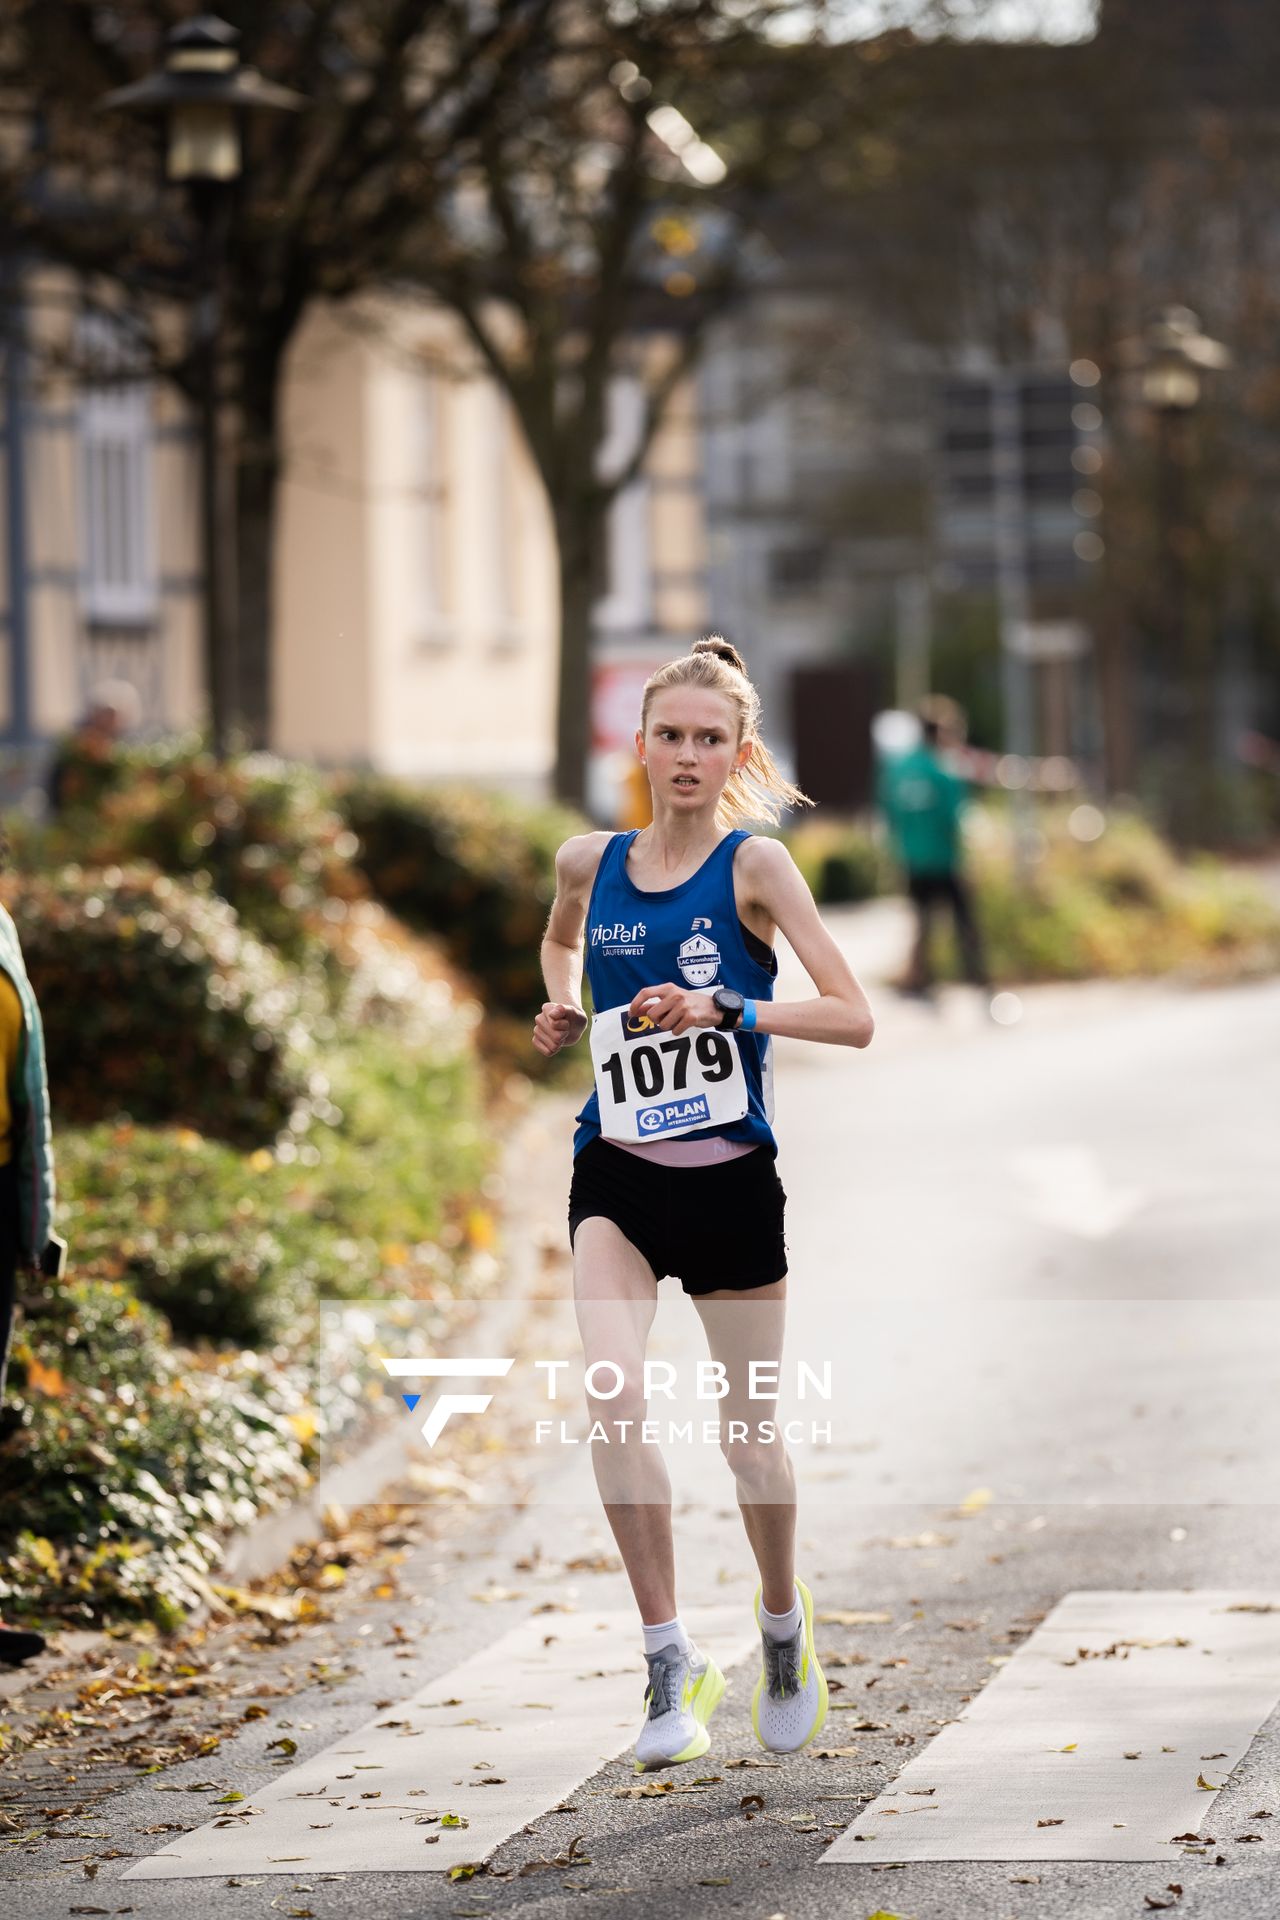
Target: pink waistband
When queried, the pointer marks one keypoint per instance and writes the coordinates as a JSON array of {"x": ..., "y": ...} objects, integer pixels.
[{"x": 688, "y": 1153}]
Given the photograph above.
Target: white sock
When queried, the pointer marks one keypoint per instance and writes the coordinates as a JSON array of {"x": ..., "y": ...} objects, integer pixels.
[
  {"x": 656, "y": 1638},
  {"x": 781, "y": 1626}
]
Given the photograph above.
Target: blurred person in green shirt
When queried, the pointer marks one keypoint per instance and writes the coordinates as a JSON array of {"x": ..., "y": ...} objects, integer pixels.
[{"x": 923, "y": 797}]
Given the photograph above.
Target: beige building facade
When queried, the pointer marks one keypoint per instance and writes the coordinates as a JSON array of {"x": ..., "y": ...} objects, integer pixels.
[{"x": 416, "y": 594}]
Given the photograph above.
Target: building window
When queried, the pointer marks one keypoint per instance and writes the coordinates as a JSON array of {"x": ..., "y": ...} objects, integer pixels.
[
  {"x": 118, "y": 572},
  {"x": 430, "y": 456}
]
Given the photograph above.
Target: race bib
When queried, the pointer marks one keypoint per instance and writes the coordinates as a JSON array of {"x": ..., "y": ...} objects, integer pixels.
[{"x": 653, "y": 1085}]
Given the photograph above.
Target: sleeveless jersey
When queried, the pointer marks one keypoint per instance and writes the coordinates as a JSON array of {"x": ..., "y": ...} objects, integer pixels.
[{"x": 689, "y": 935}]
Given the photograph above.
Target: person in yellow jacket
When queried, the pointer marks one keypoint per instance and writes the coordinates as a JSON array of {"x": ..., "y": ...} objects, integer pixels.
[{"x": 27, "y": 1191}]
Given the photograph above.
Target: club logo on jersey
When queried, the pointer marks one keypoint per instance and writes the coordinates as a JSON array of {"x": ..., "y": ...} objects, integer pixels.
[
  {"x": 698, "y": 959},
  {"x": 619, "y": 939}
]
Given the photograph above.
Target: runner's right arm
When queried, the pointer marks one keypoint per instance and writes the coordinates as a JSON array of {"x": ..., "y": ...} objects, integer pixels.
[{"x": 563, "y": 1018}]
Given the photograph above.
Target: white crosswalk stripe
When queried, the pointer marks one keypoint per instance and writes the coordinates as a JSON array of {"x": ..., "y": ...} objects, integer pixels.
[
  {"x": 538, "y": 1718},
  {"x": 1091, "y": 1742}
]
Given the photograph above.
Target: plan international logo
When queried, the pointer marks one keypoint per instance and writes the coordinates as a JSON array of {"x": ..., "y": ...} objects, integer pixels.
[{"x": 620, "y": 939}]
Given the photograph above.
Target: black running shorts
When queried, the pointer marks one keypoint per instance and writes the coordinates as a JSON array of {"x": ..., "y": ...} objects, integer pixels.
[{"x": 714, "y": 1226}]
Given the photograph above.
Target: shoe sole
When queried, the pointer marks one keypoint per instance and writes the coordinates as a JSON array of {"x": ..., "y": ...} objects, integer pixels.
[
  {"x": 707, "y": 1696},
  {"x": 806, "y": 1602}
]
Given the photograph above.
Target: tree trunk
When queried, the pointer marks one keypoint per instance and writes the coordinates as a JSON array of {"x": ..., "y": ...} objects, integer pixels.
[
  {"x": 580, "y": 540},
  {"x": 1115, "y": 686},
  {"x": 257, "y": 476}
]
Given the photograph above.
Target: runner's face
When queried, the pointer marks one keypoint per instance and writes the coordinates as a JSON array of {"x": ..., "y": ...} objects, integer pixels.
[{"x": 691, "y": 746}]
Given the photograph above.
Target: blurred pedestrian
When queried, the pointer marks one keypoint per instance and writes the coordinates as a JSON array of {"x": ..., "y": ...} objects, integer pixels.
[
  {"x": 27, "y": 1242},
  {"x": 81, "y": 760},
  {"x": 923, "y": 795}
]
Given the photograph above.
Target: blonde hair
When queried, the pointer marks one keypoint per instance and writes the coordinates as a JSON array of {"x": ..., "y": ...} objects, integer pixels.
[{"x": 757, "y": 790}]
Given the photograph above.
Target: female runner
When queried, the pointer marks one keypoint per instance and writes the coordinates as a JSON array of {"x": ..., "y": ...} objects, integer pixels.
[{"x": 680, "y": 919}]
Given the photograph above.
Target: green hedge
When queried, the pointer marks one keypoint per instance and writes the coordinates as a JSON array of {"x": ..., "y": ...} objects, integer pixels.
[
  {"x": 841, "y": 859},
  {"x": 477, "y": 869},
  {"x": 131, "y": 1460},
  {"x": 1119, "y": 905},
  {"x": 260, "y": 832},
  {"x": 158, "y": 1004}
]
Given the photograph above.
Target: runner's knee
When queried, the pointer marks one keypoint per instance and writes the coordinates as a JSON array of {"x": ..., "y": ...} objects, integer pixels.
[{"x": 754, "y": 1462}]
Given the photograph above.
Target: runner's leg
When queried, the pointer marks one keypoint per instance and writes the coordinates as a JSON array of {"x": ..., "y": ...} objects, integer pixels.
[
  {"x": 968, "y": 934},
  {"x": 741, "y": 1326},
  {"x": 616, "y": 1297},
  {"x": 923, "y": 897}
]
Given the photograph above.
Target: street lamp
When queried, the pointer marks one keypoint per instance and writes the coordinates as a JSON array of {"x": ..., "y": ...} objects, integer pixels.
[
  {"x": 1171, "y": 357},
  {"x": 204, "y": 91}
]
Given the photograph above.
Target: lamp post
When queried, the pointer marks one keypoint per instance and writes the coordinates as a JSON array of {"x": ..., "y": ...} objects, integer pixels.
[
  {"x": 204, "y": 90},
  {"x": 1171, "y": 358}
]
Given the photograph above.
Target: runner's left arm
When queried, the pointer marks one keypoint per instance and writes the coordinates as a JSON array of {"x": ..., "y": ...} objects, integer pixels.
[{"x": 841, "y": 1014}]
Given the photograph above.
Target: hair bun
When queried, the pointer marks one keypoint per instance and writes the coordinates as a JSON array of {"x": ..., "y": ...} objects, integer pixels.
[{"x": 722, "y": 648}]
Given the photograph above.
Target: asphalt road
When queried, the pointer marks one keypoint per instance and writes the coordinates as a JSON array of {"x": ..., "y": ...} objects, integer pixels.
[{"x": 1041, "y": 1259}]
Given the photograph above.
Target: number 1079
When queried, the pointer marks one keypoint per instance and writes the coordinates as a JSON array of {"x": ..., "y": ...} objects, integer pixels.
[{"x": 713, "y": 1052}]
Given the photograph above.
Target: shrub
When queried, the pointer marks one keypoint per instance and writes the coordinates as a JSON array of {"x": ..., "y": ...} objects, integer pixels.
[
  {"x": 155, "y": 1002},
  {"x": 237, "y": 1247},
  {"x": 476, "y": 868},
  {"x": 130, "y": 1458},
  {"x": 264, "y": 832},
  {"x": 1119, "y": 905},
  {"x": 842, "y": 860}
]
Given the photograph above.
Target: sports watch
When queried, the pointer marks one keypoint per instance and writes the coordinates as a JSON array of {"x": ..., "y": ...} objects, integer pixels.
[{"x": 730, "y": 1003}]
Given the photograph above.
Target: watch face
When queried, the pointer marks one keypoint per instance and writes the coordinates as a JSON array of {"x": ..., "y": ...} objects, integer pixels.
[{"x": 728, "y": 999}]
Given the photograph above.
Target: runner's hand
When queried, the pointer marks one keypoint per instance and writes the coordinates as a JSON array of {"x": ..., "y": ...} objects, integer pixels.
[
  {"x": 558, "y": 1026},
  {"x": 676, "y": 1009}
]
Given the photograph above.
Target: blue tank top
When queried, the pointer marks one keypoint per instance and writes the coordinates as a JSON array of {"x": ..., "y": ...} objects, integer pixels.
[{"x": 689, "y": 935}]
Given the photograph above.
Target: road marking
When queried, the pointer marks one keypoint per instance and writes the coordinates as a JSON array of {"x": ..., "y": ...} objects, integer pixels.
[
  {"x": 1069, "y": 1190},
  {"x": 1047, "y": 1739},
  {"x": 425, "y": 1756}
]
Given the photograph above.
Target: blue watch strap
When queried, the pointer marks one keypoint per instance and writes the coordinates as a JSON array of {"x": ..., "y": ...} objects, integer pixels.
[{"x": 748, "y": 1019}]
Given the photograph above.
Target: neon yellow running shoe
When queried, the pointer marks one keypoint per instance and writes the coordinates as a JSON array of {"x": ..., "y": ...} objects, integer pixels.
[
  {"x": 681, "y": 1697},
  {"x": 789, "y": 1704}
]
